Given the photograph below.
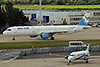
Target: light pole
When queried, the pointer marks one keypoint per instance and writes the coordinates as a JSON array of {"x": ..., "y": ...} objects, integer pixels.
[{"x": 40, "y": 12}]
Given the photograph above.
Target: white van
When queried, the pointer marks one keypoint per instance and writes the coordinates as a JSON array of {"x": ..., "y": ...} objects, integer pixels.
[{"x": 76, "y": 44}]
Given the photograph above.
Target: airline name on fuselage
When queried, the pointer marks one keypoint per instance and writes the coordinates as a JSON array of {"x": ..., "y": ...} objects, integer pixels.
[{"x": 24, "y": 28}]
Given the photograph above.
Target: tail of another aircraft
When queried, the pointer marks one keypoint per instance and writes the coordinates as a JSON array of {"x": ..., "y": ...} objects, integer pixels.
[
  {"x": 87, "y": 47},
  {"x": 85, "y": 19}
]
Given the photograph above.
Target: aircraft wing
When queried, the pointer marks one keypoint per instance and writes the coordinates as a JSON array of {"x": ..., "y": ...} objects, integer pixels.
[
  {"x": 54, "y": 32},
  {"x": 57, "y": 55}
]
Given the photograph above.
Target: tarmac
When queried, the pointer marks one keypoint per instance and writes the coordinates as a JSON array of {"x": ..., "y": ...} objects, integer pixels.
[
  {"x": 52, "y": 62},
  {"x": 92, "y": 33}
]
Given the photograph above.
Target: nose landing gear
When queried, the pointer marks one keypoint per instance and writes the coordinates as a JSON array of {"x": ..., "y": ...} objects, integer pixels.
[
  {"x": 13, "y": 38},
  {"x": 69, "y": 62}
]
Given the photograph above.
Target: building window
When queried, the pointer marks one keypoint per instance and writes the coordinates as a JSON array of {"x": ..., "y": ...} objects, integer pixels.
[
  {"x": 71, "y": 19},
  {"x": 33, "y": 17},
  {"x": 96, "y": 18},
  {"x": 75, "y": 19},
  {"x": 73, "y": 23},
  {"x": 91, "y": 18},
  {"x": 97, "y": 14},
  {"x": 27, "y": 13}
]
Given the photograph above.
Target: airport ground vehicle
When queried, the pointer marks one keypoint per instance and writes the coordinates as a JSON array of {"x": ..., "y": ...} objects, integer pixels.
[{"x": 76, "y": 44}]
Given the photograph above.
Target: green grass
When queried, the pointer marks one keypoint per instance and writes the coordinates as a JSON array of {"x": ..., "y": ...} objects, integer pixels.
[
  {"x": 58, "y": 6},
  {"x": 22, "y": 45}
]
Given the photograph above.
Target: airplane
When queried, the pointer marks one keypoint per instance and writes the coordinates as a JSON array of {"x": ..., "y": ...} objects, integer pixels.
[
  {"x": 83, "y": 55},
  {"x": 47, "y": 31}
]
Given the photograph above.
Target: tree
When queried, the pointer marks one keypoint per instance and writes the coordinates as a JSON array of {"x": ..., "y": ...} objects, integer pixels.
[
  {"x": 2, "y": 17},
  {"x": 36, "y": 1},
  {"x": 2, "y": 1},
  {"x": 74, "y": 2},
  {"x": 14, "y": 15},
  {"x": 44, "y": 2},
  {"x": 60, "y": 2}
]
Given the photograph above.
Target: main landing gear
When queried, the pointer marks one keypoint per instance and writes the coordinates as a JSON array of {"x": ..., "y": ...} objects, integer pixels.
[
  {"x": 13, "y": 38},
  {"x": 52, "y": 38},
  {"x": 69, "y": 62},
  {"x": 51, "y": 35},
  {"x": 87, "y": 61}
]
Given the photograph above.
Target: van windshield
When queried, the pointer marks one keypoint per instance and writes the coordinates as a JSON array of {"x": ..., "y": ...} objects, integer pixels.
[{"x": 76, "y": 44}]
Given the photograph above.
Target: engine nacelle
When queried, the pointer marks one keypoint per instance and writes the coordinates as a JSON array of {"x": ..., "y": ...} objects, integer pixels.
[
  {"x": 86, "y": 58},
  {"x": 32, "y": 36},
  {"x": 45, "y": 36}
]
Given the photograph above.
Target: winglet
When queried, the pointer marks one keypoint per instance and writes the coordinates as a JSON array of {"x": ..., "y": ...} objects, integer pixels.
[{"x": 85, "y": 19}]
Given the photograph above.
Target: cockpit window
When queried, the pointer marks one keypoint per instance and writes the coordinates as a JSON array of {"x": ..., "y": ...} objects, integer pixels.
[
  {"x": 8, "y": 29},
  {"x": 71, "y": 55}
]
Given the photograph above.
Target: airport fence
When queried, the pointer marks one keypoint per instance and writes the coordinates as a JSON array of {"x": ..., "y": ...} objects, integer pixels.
[{"x": 56, "y": 49}]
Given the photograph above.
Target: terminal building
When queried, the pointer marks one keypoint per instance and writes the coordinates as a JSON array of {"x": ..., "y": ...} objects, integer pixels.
[{"x": 58, "y": 17}]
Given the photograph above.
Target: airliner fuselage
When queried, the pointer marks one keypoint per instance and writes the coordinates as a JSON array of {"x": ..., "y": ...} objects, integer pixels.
[
  {"x": 36, "y": 30},
  {"x": 47, "y": 31}
]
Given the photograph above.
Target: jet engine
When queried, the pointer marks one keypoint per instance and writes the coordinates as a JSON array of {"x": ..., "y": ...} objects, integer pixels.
[
  {"x": 85, "y": 58},
  {"x": 45, "y": 36}
]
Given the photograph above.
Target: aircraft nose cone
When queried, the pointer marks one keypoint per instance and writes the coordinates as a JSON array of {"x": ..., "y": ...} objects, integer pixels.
[
  {"x": 4, "y": 33},
  {"x": 70, "y": 58}
]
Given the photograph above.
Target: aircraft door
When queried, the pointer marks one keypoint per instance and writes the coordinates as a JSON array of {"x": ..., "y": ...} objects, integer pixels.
[
  {"x": 56, "y": 29},
  {"x": 14, "y": 29},
  {"x": 33, "y": 30},
  {"x": 75, "y": 30}
]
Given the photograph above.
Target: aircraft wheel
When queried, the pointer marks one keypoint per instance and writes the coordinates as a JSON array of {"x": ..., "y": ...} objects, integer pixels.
[
  {"x": 86, "y": 61},
  {"x": 68, "y": 64},
  {"x": 13, "y": 38},
  {"x": 52, "y": 38},
  {"x": 70, "y": 61}
]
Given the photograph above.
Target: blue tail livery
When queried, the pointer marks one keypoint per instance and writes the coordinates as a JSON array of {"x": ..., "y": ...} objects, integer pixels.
[{"x": 85, "y": 19}]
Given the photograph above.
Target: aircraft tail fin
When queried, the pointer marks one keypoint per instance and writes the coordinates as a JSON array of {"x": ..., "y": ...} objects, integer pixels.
[
  {"x": 85, "y": 19},
  {"x": 88, "y": 47}
]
